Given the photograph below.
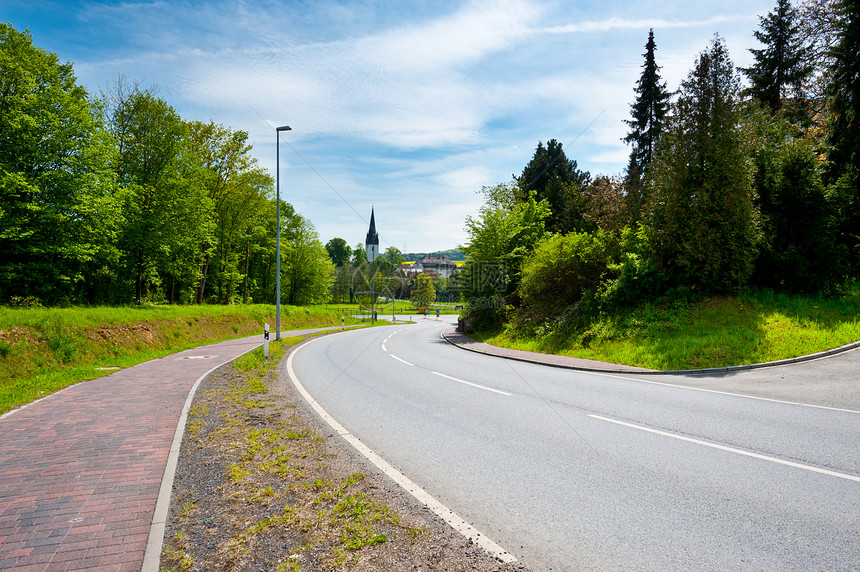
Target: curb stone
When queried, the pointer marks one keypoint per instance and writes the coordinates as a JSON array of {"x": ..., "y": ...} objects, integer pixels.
[{"x": 464, "y": 342}]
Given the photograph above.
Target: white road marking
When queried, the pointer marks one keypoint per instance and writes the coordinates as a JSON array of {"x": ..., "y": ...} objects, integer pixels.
[
  {"x": 401, "y": 360},
  {"x": 470, "y": 383},
  {"x": 730, "y": 449},
  {"x": 718, "y": 392},
  {"x": 423, "y": 496},
  {"x": 385, "y": 349}
]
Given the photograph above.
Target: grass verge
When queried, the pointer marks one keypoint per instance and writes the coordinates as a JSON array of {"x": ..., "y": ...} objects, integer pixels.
[
  {"x": 43, "y": 350},
  {"x": 716, "y": 332},
  {"x": 256, "y": 489}
]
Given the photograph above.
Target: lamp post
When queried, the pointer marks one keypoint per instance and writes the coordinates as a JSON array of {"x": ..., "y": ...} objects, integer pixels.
[{"x": 278, "y": 219}]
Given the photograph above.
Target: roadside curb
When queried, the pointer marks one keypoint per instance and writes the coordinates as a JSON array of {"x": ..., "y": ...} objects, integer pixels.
[{"x": 464, "y": 342}]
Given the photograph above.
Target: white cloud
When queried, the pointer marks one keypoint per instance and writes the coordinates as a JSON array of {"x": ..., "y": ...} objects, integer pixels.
[{"x": 611, "y": 24}]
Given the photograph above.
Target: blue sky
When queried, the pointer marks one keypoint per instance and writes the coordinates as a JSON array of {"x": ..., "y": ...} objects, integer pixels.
[{"x": 411, "y": 106}]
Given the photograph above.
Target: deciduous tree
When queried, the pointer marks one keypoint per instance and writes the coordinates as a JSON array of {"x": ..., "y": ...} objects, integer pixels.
[
  {"x": 423, "y": 291},
  {"x": 339, "y": 251},
  {"x": 168, "y": 213},
  {"x": 499, "y": 240},
  {"x": 59, "y": 201}
]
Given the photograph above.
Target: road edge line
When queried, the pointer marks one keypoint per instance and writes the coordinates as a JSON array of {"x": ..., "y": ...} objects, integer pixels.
[{"x": 402, "y": 480}]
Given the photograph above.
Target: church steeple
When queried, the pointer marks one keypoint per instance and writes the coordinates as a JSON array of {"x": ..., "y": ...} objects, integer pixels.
[{"x": 372, "y": 240}]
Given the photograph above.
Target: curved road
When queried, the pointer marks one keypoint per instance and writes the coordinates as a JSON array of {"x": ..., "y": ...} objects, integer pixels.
[{"x": 570, "y": 470}]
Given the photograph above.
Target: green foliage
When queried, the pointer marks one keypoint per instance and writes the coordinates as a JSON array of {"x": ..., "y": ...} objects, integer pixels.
[
  {"x": 306, "y": 270},
  {"x": 120, "y": 200},
  {"x": 798, "y": 250},
  {"x": 701, "y": 215},
  {"x": 649, "y": 110},
  {"x": 238, "y": 190},
  {"x": 499, "y": 240},
  {"x": 58, "y": 197},
  {"x": 393, "y": 256},
  {"x": 423, "y": 291},
  {"x": 339, "y": 251},
  {"x": 359, "y": 255},
  {"x": 551, "y": 176},
  {"x": 843, "y": 167},
  {"x": 780, "y": 69},
  {"x": 563, "y": 271},
  {"x": 167, "y": 213}
]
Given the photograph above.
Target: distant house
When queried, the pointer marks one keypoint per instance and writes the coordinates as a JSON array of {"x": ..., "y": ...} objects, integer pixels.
[{"x": 438, "y": 265}]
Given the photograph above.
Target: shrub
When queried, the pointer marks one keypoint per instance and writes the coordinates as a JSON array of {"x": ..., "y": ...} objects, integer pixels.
[{"x": 565, "y": 270}]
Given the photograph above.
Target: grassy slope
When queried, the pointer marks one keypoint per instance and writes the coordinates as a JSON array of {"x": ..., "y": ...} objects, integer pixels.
[
  {"x": 716, "y": 332},
  {"x": 43, "y": 350}
]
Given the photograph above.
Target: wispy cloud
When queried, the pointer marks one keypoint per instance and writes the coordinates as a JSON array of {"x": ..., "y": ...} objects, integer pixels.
[{"x": 637, "y": 24}]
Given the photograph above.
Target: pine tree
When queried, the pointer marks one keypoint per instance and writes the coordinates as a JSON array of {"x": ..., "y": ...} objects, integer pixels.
[
  {"x": 779, "y": 68},
  {"x": 652, "y": 103}
]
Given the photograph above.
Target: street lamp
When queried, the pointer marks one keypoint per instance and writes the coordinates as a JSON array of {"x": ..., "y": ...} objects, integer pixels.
[{"x": 278, "y": 217}]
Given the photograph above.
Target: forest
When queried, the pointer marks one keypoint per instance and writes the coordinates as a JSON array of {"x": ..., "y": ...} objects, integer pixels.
[{"x": 738, "y": 179}]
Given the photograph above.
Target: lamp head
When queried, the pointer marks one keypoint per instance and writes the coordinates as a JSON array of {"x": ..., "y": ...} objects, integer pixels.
[{"x": 284, "y": 128}]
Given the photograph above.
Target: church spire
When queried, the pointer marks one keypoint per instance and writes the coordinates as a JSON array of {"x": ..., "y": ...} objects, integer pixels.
[{"x": 372, "y": 240}]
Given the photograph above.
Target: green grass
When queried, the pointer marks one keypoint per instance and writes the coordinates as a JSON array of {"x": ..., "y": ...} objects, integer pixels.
[
  {"x": 717, "y": 332},
  {"x": 43, "y": 350}
]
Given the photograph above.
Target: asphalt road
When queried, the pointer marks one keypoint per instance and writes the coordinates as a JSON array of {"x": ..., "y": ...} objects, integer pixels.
[{"x": 567, "y": 470}]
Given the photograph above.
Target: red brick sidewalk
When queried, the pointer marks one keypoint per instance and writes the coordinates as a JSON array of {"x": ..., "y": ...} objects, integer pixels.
[{"x": 80, "y": 471}]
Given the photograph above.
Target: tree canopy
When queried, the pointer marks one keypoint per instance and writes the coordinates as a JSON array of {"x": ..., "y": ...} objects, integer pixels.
[
  {"x": 700, "y": 192},
  {"x": 339, "y": 251},
  {"x": 59, "y": 198},
  {"x": 780, "y": 68},
  {"x": 118, "y": 199},
  {"x": 555, "y": 178}
]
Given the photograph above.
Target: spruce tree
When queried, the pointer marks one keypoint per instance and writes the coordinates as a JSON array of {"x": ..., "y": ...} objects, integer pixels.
[
  {"x": 652, "y": 103},
  {"x": 779, "y": 68}
]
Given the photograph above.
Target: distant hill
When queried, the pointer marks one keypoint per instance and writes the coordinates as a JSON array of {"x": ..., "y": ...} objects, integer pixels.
[{"x": 453, "y": 255}]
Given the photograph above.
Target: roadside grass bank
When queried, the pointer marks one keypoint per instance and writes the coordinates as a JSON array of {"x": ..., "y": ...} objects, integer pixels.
[
  {"x": 723, "y": 331},
  {"x": 260, "y": 485},
  {"x": 43, "y": 350}
]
